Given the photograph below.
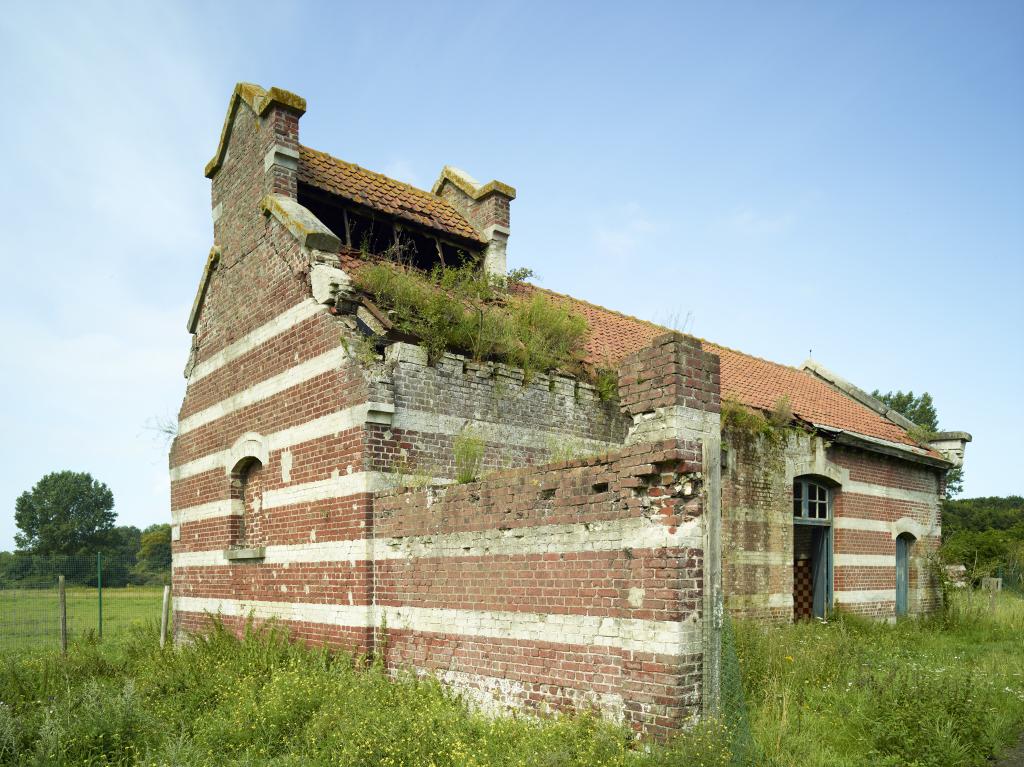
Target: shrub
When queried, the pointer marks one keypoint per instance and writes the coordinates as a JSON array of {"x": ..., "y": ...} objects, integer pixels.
[
  {"x": 467, "y": 310},
  {"x": 469, "y": 455}
]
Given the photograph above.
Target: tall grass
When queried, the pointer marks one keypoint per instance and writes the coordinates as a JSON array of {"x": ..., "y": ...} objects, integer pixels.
[
  {"x": 264, "y": 701},
  {"x": 942, "y": 691},
  {"x": 938, "y": 692},
  {"x": 465, "y": 309}
]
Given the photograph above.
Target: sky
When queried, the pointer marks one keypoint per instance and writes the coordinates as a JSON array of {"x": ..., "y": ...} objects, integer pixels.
[{"x": 844, "y": 180}]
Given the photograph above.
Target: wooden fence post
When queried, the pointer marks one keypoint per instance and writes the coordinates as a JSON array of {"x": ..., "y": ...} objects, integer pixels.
[
  {"x": 62, "y": 599},
  {"x": 163, "y": 616}
]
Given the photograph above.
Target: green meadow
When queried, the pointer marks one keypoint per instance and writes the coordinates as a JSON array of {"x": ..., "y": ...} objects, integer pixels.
[{"x": 943, "y": 691}]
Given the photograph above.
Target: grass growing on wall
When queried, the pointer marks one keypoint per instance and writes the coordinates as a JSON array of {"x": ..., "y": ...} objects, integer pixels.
[{"x": 464, "y": 309}]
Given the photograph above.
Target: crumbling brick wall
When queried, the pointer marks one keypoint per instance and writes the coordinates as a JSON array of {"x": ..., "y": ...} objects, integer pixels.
[
  {"x": 520, "y": 422},
  {"x": 576, "y": 584}
]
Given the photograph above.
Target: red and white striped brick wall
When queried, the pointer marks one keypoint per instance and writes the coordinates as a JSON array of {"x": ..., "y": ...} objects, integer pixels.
[{"x": 876, "y": 497}]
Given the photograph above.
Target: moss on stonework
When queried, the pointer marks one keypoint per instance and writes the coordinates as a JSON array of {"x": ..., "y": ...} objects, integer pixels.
[{"x": 760, "y": 442}]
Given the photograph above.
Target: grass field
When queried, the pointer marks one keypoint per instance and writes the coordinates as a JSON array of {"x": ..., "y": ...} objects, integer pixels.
[
  {"x": 947, "y": 691},
  {"x": 29, "y": 617},
  {"x": 944, "y": 691}
]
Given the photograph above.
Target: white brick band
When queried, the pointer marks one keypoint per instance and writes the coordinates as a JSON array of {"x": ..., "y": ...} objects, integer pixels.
[
  {"x": 741, "y": 601},
  {"x": 763, "y": 558},
  {"x": 496, "y": 695},
  {"x": 634, "y": 533},
  {"x": 325, "y": 426},
  {"x": 207, "y": 511},
  {"x": 865, "y": 595},
  {"x": 930, "y": 500},
  {"x": 338, "y": 486},
  {"x": 661, "y": 637},
  {"x": 497, "y": 433},
  {"x": 883, "y": 526},
  {"x": 865, "y": 560},
  {"x": 280, "y": 324},
  {"x": 325, "y": 363}
]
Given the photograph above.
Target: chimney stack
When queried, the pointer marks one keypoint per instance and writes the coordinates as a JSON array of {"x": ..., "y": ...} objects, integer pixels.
[{"x": 486, "y": 208}]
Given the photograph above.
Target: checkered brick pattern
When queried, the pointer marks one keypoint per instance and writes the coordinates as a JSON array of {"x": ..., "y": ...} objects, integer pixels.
[{"x": 803, "y": 590}]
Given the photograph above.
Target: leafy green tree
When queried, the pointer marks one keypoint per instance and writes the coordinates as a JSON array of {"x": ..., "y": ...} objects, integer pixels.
[
  {"x": 980, "y": 514},
  {"x": 66, "y": 512},
  {"x": 155, "y": 550},
  {"x": 921, "y": 410}
]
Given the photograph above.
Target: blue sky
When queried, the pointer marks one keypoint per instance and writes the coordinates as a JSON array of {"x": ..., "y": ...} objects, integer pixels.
[{"x": 842, "y": 177}]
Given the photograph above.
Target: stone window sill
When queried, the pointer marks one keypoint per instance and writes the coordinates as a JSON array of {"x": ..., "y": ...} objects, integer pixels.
[{"x": 250, "y": 553}]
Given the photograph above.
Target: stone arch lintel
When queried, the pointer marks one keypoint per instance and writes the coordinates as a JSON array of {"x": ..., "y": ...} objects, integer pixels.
[
  {"x": 249, "y": 445},
  {"x": 908, "y": 525}
]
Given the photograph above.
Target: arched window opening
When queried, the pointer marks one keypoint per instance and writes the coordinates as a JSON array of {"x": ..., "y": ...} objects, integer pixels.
[
  {"x": 247, "y": 488},
  {"x": 811, "y": 500}
]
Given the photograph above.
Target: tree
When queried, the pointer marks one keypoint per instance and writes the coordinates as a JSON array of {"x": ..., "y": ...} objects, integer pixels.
[
  {"x": 155, "y": 550},
  {"x": 66, "y": 512},
  {"x": 921, "y": 410}
]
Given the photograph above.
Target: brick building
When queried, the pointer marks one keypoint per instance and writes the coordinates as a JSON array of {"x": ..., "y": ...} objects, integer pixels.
[{"x": 597, "y": 581}]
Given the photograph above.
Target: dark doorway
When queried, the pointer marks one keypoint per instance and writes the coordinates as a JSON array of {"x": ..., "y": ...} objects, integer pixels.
[
  {"x": 812, "y": 549},
  {"x": 812, "y": 571}
]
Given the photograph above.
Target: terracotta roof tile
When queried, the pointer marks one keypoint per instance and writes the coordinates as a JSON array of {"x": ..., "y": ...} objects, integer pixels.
[
  {"x": 381, "y": 193},
  {"x": 753, "y": 381}
]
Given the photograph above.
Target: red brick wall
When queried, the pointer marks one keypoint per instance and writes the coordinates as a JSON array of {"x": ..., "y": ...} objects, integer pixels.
[
  {"x": 874, "y": 497},
  {"x": 572, "y": 584},
  {"x": 653, "y": 488}
]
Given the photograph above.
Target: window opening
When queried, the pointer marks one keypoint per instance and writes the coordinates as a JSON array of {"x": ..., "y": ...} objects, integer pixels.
[
  {"x": 418, "y": 250},
  {"x": 451, "y": 255},
  {"x": 811, "y": 501},
  {"x": 812, "y": 550},
  {"x": 247, "y": 487}
]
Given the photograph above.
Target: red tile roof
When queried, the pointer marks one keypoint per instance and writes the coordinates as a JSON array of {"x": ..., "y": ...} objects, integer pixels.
[
  {"x": 381, "y": 193},
  {"x": 753, "y": 381},
  {"x": 750, "y": 380}
]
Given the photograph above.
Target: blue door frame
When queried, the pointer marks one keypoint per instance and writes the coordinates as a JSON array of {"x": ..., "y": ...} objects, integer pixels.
[
  {"x": 902, "y": 573},
  {"x": 821, "y": 565}
]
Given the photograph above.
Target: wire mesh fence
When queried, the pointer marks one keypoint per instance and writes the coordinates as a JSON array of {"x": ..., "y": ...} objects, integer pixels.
[
  {"x": 104, "y": 596},
  {"x": 733, "y": 703},
  {"x": 1013, "y": 576}
]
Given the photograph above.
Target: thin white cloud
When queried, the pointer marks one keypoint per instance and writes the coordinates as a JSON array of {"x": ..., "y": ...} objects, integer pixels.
[
  {"x": 750, "y": 222},
  {"x": 403, "y": 170},
  {"x": 624, "y": 232}
]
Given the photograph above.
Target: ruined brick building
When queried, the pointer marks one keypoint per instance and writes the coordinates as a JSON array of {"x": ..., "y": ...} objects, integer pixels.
[{"x": 598, "y": 581}]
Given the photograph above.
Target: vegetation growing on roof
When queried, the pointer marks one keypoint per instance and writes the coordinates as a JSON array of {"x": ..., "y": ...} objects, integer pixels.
[
  {"x": 748, "y": 424},
  {"x": 464, "y": 309}
]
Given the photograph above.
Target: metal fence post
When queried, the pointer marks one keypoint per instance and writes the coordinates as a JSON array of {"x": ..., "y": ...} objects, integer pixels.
[
  {"x": 62, "y": 600},
  {"x": 99, "y": 590}
]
